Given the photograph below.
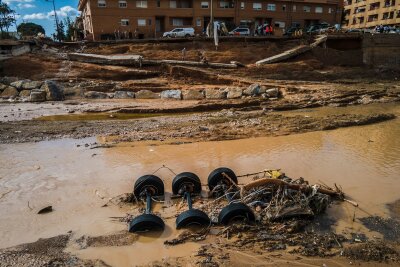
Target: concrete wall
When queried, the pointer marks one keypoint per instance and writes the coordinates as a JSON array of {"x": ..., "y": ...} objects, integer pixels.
[{"x": 381, "y": 50}]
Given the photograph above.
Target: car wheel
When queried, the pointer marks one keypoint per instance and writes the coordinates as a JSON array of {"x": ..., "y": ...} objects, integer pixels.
[
  {"x": 235, "y": 212},
  {"x": 146, "y": 222},
  {"x": 186, "y": 178},
  {"x": 192, "y": 217},
  {"x": 151, "y": 183},
  {"x": 216, "y": 177}
]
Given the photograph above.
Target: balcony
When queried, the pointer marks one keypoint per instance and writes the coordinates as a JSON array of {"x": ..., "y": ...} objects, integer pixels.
[{"x": 181, "y": 4}]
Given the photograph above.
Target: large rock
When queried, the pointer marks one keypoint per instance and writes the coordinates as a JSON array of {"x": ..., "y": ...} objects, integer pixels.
[
  {"x": 146, "y": 94},
  {"x": 252, "y": 90},
  {"x": 18, "y": 84},
  {"x": 29, "y": 85},
  {"x": 2, "y": 87},
  {"x": 53, "y": 91},
  {"x": 38, "y": 95},
  {"x": 124, "y": 94},
  {"x": 171, "y": 94},
  {"x": 273, "y": 92},
  {"x": 215, "y": 94},
  {"x": 95, "y": 95},
  {"x": 25, "y": 93},
  {"x": 9, "y": 92},
  {"x": 234, "y": 92},
  {"x": 192, "y": 94},
  {"x": 8, "y": 80}
]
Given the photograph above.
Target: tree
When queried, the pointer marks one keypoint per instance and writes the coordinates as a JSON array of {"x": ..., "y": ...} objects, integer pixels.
[
  {"x": 60, "y": 32},
  {"x": 6, "y": 18},
  {"x": 30, "y": 29},
  {"x": 70, "y": 29}
]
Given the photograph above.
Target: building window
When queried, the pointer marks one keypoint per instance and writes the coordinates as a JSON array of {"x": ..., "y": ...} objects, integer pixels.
[
  {"x": 294, "y": 8},
  {"x": 330, "y": 10},
  {"x": 271, "y": 7},
  {"x": 318, "y": 9},
  {"x": 172, "y": 4},
  {"x": 141, "y": 22},
  {"x": 283, "y": 7},
  {"x": 257, "y": 6},
  {"x": 225, "y": 4},
  {"x": 149, "y": 22},
  {"x": 141, "y": 4},
  {"x": 122, "y": 4},
  {"x": 158, "y": 3},
  {"x": 198, "y": 22},
  {"x": 101, "y": 3},
  {"x": 241, "y": 5},
  {"x": 204, "y": 4},
  {"x": 177, "y": 22},
  {"x": 306, "y": 9},
  {"x": 124, "y": 22}
]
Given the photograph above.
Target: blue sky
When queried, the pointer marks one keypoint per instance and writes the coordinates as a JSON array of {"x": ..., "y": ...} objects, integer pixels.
[{"x": 41, "y": 11}]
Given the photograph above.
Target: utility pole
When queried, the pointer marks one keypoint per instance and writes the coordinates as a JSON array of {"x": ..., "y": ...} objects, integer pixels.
[{"x": 55, "y": 17}]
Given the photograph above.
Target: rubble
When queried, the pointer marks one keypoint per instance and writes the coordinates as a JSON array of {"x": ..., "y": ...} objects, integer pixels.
[
  {"x": 53, "y": 91},
  {"x": 215, "y": 94},
  {"x": 9, "y": 92},
  {"x": 234, "y": 92},
  {"x": 191, "y": 94},
  {"x": 171, "y": 94},
  {"x": 146, "y": 94},
  {"x": 124, "y": 94}
]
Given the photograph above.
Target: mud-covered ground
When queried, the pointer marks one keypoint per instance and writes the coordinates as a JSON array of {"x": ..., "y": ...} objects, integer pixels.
[{"x": 304, "y": 82}]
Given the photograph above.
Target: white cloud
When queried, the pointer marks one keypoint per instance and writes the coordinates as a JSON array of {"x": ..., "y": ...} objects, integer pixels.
[
  {"x": 21, "y": 5},
  {"x": 66, "y": 11},
  {"x": 17, "y": 1}
]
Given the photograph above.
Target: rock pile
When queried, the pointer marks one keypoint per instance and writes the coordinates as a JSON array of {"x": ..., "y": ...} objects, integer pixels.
[{"x": 27, "y": 90}]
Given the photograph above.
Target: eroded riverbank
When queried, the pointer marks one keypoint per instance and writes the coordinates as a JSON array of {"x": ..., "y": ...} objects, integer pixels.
[{"x": 78, "y": 181}]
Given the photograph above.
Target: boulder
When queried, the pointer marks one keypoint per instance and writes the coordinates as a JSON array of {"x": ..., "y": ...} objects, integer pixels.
[
  {"x": 9, "y": 92},
  {"x": 29, "y": 85},
  {"x": 273, "y": 92},
  {"x": 215, "y": 94},
  {"x": 18, "y": 84},
  {"x": 171, "y": 94},
  {"x": 2, "y": 87},
  {"x": 192, "y": 94},
  {"x": 38, "y": 95},
  {"x": 8, "y": 80},
  {"x": 53, "y": 91},
  {"x": 25, "y": 93},
  {"x": 124, "y": 94},
  {"x": 234, "y": 92},
  {"x": 263, "y": 89},
  {"x": 95, "y": 95},
  {"x": 146, "y": 94},
  {"x": 252, "y": 90}
]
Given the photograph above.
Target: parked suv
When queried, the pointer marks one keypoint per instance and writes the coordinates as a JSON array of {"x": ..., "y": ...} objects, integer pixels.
[
  {"x": 241, "y": 31},
  {"x": 180, "y": 32}
]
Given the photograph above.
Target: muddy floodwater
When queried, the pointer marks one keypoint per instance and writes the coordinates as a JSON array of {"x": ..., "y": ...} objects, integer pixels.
[{"x": 77, "y": 180}]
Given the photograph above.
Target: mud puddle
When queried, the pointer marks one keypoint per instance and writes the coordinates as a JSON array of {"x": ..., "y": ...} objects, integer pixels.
[{"x": 77, "y": 181}]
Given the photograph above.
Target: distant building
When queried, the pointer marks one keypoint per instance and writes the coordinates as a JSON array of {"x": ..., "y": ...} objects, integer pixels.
[
  {"x": 103, "y": 19},
  {"x": 370, "y": 13}
]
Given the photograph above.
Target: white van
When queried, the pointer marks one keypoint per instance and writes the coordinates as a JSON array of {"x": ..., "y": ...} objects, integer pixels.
[{"x": 180, "y": 32}]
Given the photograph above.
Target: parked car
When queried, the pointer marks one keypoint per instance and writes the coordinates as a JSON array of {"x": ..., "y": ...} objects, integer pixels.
[
  {"x": 240, "y": 31},
  {"x": 317, "y": 28},
  {"x": 180, "y": 32},
  {"x": 291, "y": 31}
]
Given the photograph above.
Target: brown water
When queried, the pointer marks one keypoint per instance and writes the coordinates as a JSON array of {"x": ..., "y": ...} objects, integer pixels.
[{"x": 77, "y": 181}]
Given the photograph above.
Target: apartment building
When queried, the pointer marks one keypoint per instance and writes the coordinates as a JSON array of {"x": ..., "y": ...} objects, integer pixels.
[
  {"x": 370, "y": 13},
  {"x": 102, "y": 18}
]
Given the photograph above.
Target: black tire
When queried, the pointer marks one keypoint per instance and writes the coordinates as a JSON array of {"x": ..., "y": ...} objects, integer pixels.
[
  {"x": 151, "y": 182},
  {"x": 192, "y": 217},
  {"x": 235, "y": 211},
  {"x": 187, "y": 35},
  {"x": 216, "y": 177},
  {"x": 186, "y": 178},
  {"x": 146, "y": 222}
]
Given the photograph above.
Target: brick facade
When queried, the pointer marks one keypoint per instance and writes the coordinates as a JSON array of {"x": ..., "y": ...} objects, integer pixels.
[{"x": 153, "y": 17}]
